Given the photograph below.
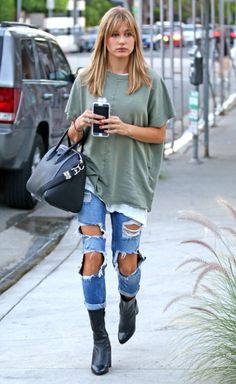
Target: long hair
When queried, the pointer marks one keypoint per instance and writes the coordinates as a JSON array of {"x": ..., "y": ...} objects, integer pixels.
[{"x": 95, "y": 74}]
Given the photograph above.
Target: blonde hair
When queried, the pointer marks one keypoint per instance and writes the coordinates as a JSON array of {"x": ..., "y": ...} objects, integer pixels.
[{"x": 94, "y": 76}]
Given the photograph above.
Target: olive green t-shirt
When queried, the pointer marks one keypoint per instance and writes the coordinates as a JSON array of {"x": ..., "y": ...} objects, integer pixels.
[{"x": 121, "y": 169}]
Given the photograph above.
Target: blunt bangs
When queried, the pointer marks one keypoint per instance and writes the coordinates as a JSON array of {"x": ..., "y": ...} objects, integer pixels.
[{"x": 114, "y": 25}]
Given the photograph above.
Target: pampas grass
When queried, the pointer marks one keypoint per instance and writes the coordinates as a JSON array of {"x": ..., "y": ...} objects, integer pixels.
[{"x": 209, "y": 315}]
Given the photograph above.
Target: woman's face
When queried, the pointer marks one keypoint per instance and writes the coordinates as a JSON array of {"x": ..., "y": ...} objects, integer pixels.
[{"x": 121, "y": 42}]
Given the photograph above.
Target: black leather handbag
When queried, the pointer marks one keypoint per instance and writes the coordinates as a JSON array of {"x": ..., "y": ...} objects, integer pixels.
[{"x": 59, "y": 178}]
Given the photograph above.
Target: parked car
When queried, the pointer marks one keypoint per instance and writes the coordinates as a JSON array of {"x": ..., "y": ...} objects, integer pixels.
[
  {"x": 188, "y": 33},
  {"x": 232, "y": 33},
  {"x": 167, "y": 30},
  {"x": 35, "y": 81},
  {"x": 149, "y": 31},
  {"x": 85, "y": 41},
  {"x": 229, "y": 33},
  {"x": 177, "y": 38},
  {"x": 78, "y": 35}
]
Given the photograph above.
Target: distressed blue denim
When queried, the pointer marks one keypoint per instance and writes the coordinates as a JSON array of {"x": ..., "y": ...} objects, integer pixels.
[{"x": 124, "y": 241}]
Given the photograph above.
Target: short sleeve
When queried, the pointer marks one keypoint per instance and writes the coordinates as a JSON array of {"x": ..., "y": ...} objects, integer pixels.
[
  {"x": 160, "y": 106},
  {"x": 73, "y": 106}
]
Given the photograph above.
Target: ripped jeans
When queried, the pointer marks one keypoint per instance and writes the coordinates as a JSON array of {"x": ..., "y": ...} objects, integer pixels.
[{"x": 124, "y": 241}]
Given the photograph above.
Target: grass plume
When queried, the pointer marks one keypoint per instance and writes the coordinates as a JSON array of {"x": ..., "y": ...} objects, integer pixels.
[{"x": 209, "y": 334}]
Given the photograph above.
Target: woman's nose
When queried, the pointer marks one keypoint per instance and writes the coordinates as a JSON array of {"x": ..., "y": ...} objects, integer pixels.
[{"x": 121, "y": 38}]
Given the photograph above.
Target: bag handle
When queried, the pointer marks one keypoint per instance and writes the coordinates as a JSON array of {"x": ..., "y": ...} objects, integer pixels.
[
  {"x": 64, "y": 154},
  {"x": 70, "y": 146},
  {"x": 81, "y": 142},
  {"x": 69, "y": 141}
]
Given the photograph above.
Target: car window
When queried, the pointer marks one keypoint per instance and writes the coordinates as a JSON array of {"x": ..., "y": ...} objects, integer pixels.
[
  {"x": 63, "y": 71},
  {"x": 27, "y": 59},
  {"x": 46, "y": 65},
  {"x": 1, "y": 45}
]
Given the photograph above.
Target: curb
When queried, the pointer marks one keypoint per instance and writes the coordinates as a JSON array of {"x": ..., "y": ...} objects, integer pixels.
[
  {"x": 187, "y": 136},
  {"x": 42, "y": 246}
]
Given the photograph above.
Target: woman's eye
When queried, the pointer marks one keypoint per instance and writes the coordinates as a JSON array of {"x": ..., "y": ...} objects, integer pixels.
[
  {"x": 114, "y": 34},
  {"x": 128, "y": 34}
]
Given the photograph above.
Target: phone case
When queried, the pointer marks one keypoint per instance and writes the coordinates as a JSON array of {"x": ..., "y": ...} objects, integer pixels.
[{"x": 104, "y": 110}]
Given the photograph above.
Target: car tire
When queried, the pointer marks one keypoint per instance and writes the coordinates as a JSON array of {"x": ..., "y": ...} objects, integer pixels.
[{"x": 16, "y": 194}]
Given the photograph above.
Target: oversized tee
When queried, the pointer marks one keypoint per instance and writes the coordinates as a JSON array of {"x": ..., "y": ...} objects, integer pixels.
[{"x": 124, "y": 170}]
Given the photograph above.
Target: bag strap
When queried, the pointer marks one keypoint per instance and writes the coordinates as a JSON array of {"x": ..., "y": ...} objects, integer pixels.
[
  {"x": 81, "y": 142},
  {"x": 70, "y": 145}
]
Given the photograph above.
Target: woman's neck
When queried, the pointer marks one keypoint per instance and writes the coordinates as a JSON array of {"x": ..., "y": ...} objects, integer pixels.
[{"x": 118, "y": 66}]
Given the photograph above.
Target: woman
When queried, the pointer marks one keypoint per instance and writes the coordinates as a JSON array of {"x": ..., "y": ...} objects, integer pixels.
[{"x": 122, "y": 169}]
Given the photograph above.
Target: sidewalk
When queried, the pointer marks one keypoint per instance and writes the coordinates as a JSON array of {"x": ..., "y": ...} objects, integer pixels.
[{"x": 44, "y": 332}]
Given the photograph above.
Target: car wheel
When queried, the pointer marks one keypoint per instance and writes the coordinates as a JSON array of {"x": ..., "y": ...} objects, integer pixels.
[{"x": 16, "y": 194}]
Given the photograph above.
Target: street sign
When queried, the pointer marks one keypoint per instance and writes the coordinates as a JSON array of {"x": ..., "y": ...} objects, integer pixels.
[
  {"x": 50, "y": 4},
  {"x": 193, "y": 112}
]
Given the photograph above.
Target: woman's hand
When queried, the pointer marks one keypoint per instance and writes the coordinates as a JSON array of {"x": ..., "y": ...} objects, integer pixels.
[
  {"x": 115, "y": 125},
  {"x": 87, "y": 118},
  {"x": 152, "y": 135}
]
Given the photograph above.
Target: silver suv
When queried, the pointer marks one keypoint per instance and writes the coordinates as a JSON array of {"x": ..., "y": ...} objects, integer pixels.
[{"x": 35, "y": 81}]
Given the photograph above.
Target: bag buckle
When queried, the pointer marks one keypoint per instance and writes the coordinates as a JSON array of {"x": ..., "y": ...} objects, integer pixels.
[
  {"x": 74, "y": 171},
  {"x": 77, "y": 169},
  {"x": 67, "y": 175}
]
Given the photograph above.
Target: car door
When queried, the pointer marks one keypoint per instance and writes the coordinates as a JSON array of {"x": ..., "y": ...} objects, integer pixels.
[
  {"x": 49, "y": 95},
  {"x": 63, "y": 83}
]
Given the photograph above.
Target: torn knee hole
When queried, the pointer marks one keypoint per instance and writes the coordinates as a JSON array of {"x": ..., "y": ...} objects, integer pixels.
[
  {"x": 91, "y": 263},
  {"x": 91, "y": 230},
  {"x": 131, "y": 229},
  {"x": 127, "y": 263}
]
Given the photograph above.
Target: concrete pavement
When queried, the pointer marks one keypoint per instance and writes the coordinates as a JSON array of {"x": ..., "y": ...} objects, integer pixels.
[{"x": 44, "y": 332}]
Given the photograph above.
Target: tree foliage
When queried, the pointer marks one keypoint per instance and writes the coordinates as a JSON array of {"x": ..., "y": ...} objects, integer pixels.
[
  {"x": 7, "y": 10},
  {"x": 40, "y": 5},
  {"x": 8, "y": 7},
  {"x": 95, "y": 10},
  {"x": 187, "y": 10}
]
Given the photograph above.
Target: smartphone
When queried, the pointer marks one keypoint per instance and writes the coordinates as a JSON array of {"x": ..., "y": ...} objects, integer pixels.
[{"x": 103, "y": 110}]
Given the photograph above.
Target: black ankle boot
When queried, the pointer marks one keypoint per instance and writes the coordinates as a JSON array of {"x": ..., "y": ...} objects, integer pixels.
[
  {"x": 128, "y": 312},
  {"x": 101, "y": 359}
]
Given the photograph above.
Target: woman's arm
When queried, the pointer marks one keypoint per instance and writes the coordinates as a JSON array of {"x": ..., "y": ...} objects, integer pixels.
[
  {"x": 147, "y": 134},
  {"x": 75, "y": 133},
  {"x": 151, "y": 135}
]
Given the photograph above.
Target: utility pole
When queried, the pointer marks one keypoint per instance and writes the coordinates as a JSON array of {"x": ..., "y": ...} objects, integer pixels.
[
  {"x": 138, "y": 13},
  {"x": 221, "y": 8},
  {"x": 151, "y": 24},
  {"x": 50, "y": 7},
  {"x": 74, "y": 12},
  {"x": 18, "y": 10},
  {"x": 206, "y": 78}
]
